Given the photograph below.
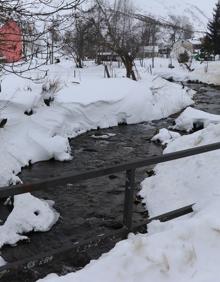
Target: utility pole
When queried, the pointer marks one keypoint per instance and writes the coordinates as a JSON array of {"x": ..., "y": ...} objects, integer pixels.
[{"x": 153, "y": 41}]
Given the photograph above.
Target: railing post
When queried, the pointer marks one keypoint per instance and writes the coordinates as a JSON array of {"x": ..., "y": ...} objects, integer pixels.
[{"x": 129, "y": 198}]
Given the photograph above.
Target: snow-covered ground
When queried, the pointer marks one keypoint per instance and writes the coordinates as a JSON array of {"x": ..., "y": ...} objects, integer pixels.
[
  {"x": 41, "y": 217},
  {"x": 171, "y": 251},
  {"x": 180, "y": 73},
  {"x": 85, "y": 100},
  {"x": 82, "y": 102},
  {"x": 192, "y": 117},
  {"x": 165, "y": 136},
  {"x": 185, "y": 181},
  {"x": 77, "y": 107},
  {"x": 185, "y": 249}
]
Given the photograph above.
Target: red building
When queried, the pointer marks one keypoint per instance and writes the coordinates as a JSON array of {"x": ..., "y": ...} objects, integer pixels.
[{"x": 11, "y": 42}]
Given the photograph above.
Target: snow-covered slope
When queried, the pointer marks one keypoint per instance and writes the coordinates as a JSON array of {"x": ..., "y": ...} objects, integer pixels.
[{"x": 197, "y": 11}]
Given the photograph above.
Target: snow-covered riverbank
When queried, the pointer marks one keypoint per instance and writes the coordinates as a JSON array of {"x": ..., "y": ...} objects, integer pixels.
[
  {"x": 37, "y": 132},
  {"x": 183, "y": 249},
  {"x": 206, "y": 72}
]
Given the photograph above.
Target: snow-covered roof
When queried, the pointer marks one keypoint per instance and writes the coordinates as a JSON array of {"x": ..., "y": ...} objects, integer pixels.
[{"x": 195, "y": 41}]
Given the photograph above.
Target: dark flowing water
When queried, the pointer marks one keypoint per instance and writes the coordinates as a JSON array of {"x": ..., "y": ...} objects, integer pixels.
[{"x": 95, "y": 207}]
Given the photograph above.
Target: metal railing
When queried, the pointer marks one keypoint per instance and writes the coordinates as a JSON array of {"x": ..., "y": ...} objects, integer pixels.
[
  {"x": 130, "y": 177},
  {"x": 130, "y": 169}
]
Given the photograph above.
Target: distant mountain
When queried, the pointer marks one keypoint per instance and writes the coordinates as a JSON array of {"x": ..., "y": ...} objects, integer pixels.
[{"x": 198, "y": 12}]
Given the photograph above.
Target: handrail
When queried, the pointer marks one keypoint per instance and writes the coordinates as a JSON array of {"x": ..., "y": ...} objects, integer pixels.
[
  {"x": 40, "y": 258},
  {"x": 129, "y": 194},
  {"x": 77, "y": 177}
]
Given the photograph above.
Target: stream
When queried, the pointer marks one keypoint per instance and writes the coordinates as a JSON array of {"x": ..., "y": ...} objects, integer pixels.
[{"x": 94, "y": 207}]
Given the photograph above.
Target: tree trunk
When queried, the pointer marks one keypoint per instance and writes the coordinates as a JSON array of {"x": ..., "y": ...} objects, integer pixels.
[
  {"x": 79, "y": 63},
  {"x": 128, "y": 63}
]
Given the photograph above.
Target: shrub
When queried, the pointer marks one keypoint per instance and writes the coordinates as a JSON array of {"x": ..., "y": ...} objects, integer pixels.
[{"x": 183, "y": 58}]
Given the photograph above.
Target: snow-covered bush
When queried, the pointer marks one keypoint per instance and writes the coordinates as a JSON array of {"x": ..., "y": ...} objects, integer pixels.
[
  {"x": 49, "y": 89},
  {"x": 51, "y": 86}
]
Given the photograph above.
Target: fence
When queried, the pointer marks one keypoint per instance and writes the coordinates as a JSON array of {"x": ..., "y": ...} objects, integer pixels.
[{"x": 130, "y": 169}]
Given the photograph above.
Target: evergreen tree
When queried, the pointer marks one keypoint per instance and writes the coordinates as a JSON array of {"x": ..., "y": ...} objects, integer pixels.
[{"x": 212, "y": 42}]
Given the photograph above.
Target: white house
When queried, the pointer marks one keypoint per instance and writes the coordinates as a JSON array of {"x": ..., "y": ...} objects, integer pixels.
[{"x": 180, "y": 47}]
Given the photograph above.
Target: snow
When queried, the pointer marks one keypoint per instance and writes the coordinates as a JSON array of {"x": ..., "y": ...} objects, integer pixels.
[
  {"x": 105, "y": 136},
  {"x": 41, "y": 217},
  {"x": 191, "y": 116},
  {"x": 180, "y": 73},
  {"x": 95, "y": 102},
  {"x": 2, "y": 262},
  {"x": 211, "y": 76},
  {"x": 194, "y": 179},
  {"x": 184, "y": 250},
  {"x": 106, "y": 106},
  {"x": 92, "y": 102},
  {"x": 165, "y": 136},
  {"x": 170, "y": 252}
]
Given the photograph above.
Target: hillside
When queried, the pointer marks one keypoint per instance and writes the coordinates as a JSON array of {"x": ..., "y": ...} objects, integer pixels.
[{"x": 197, "y": 11}]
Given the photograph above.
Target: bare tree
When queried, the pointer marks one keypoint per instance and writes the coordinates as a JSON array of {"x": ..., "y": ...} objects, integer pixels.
[
  {"x": 80, "y": 38},
  {"x": 181, "y": 28},
  {"x": 119, "y": 31},
  {"x": 38, "y": 21}
]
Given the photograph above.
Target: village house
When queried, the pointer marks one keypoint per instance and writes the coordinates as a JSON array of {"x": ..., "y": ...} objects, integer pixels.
[
  {"x": 180, "y": 47},
  {"x": 10, "y": 42},
  {"x": 149, "y": 51},
  {"x": 107, "y": 57}
]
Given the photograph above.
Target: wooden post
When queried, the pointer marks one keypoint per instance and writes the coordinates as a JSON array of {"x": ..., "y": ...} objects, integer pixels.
[
  {"x": 129, "y": 198},
  {"x": 107, "y": 71}
]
